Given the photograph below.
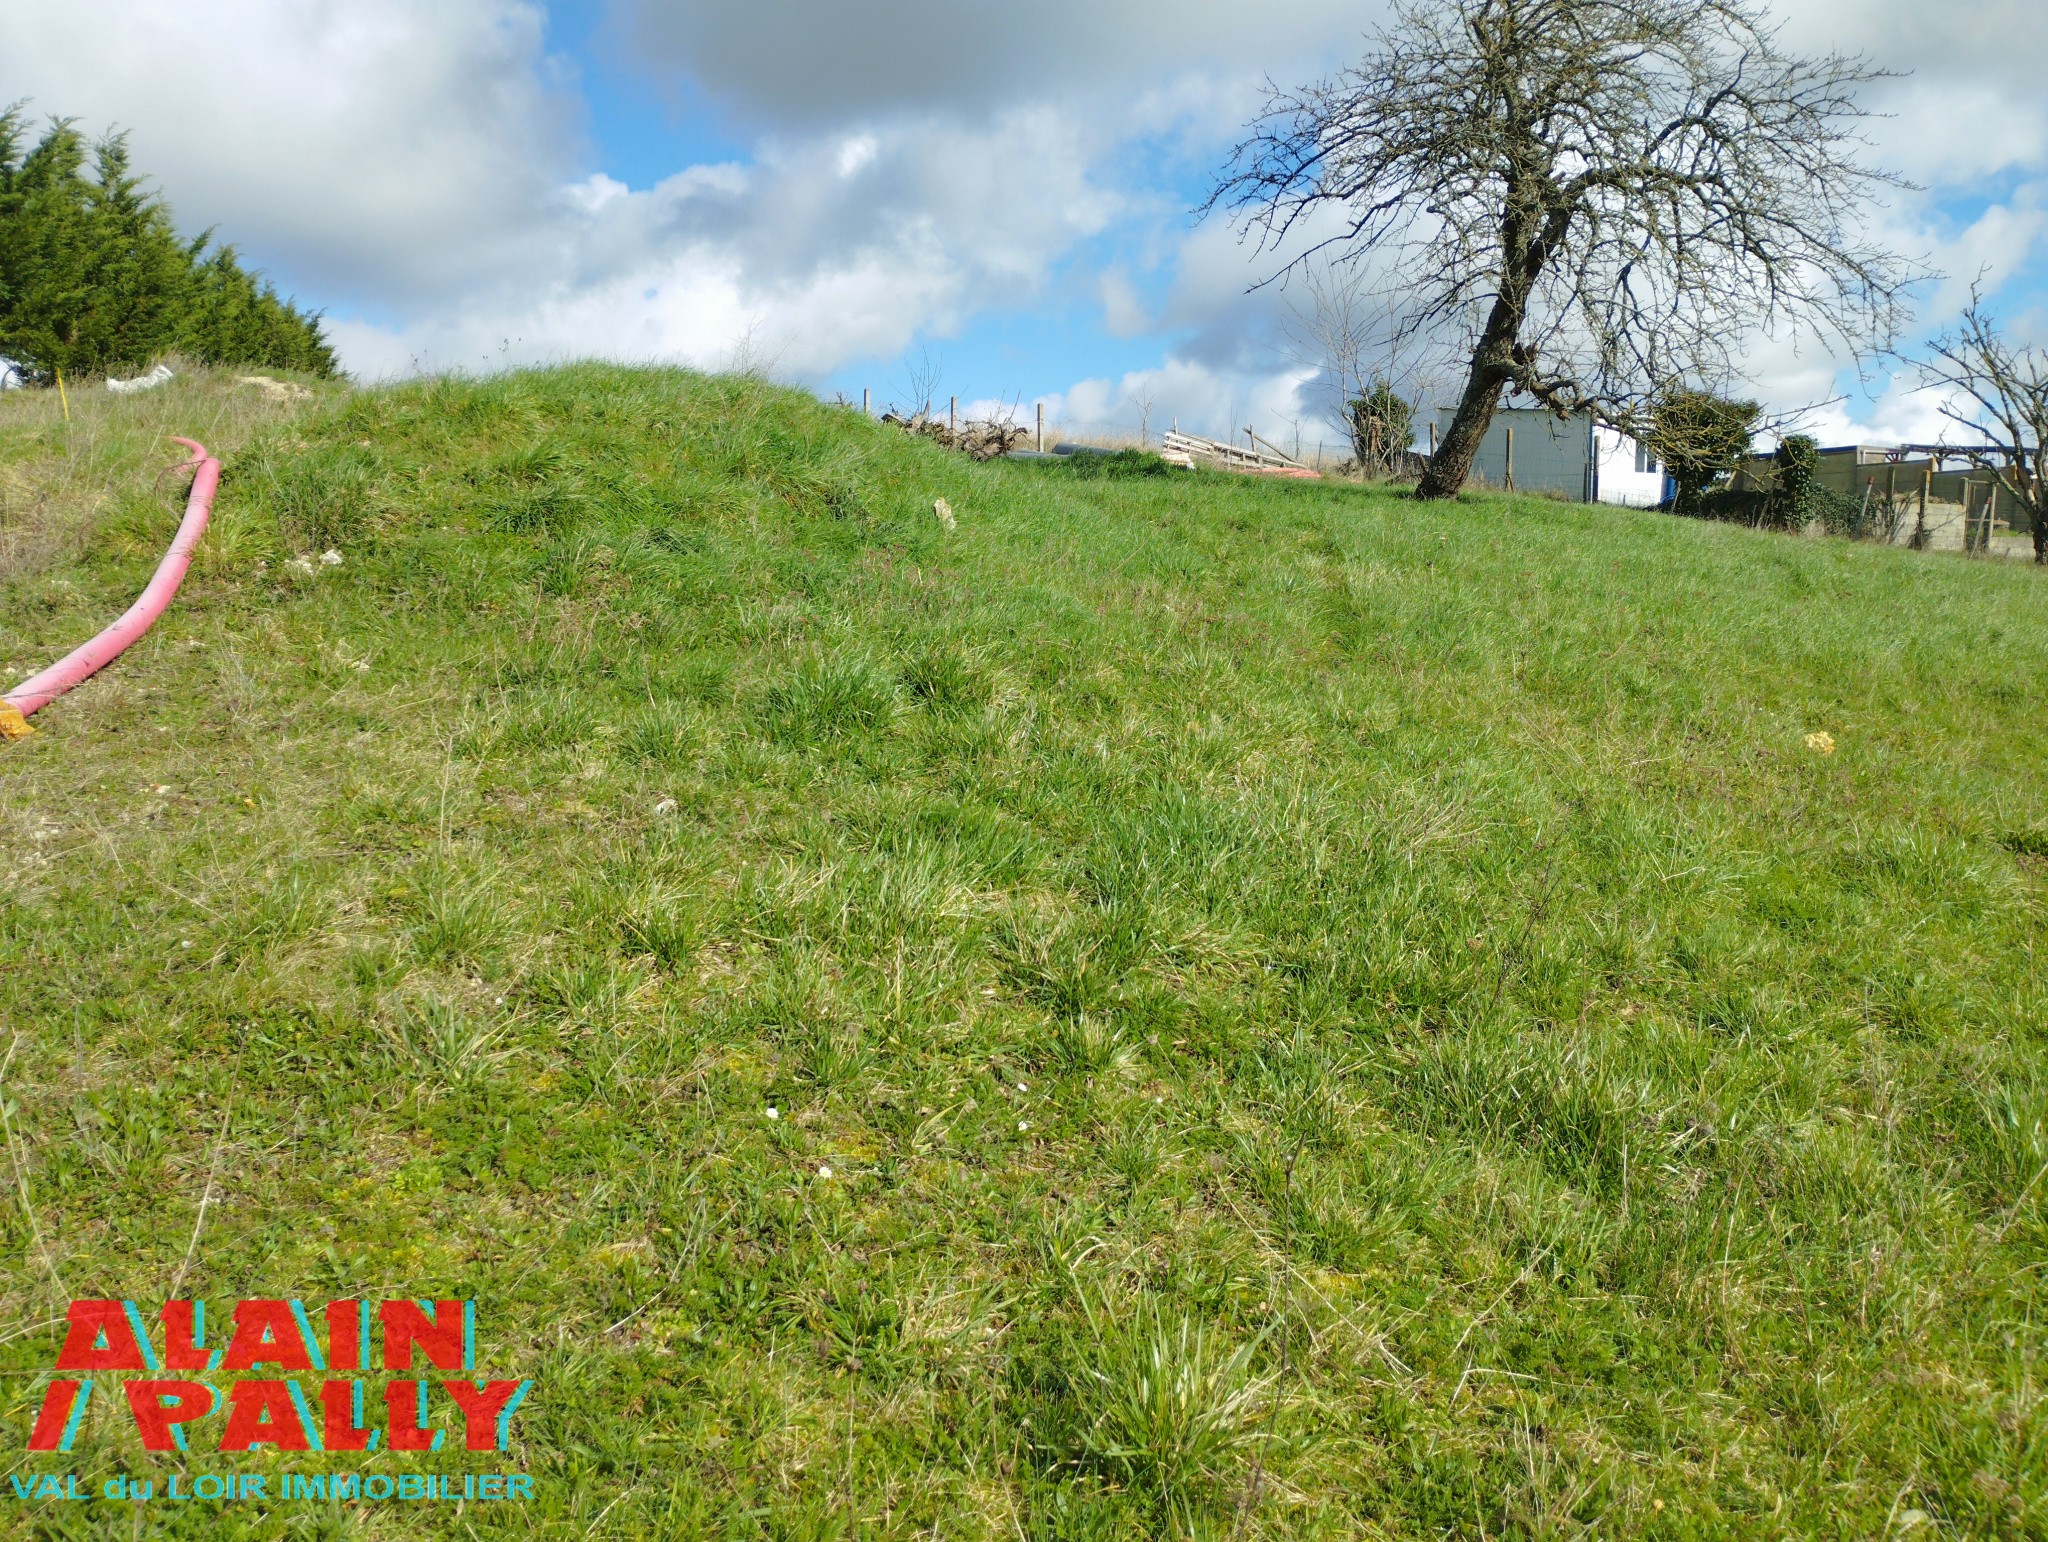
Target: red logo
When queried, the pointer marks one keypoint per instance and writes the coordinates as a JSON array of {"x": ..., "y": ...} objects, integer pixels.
[{"x": 331, "y": 1410}]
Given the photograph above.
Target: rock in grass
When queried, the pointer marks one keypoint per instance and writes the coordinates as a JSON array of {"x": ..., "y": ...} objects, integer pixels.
[{"x": 945, "y": 512}]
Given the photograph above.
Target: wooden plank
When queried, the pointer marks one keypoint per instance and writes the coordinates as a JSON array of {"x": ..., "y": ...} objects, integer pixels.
[
  {"x": 1229, "y": 454},
  {"x": 1284, "y": 458}
]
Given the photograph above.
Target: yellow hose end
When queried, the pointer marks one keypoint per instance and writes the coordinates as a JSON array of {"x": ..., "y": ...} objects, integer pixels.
[{"x": 12, "y": 724}]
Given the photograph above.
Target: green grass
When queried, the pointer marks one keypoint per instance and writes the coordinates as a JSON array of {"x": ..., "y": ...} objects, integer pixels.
[{"x": 1325, "y": 1018}]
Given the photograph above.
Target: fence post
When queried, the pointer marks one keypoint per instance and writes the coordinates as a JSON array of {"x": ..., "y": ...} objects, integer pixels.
[
  {"x": 1511, "y": 460},
  {"x": 1041, "y": 426},
  {"x": 1432, "y": 438},
  {"x": 867, "y": 409},
  {"x": 953, "y": 416}
]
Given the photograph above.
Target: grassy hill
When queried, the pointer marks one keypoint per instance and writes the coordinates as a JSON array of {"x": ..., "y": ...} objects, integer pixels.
[{"x": 1183, "y": 1006}]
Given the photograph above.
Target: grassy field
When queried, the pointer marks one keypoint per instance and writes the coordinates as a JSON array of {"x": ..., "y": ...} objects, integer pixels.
[{"x": 1181, "y": 1007}]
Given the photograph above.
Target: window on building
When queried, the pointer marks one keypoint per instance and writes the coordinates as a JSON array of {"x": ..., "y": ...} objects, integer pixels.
[{"x": 1645, "y": 461}]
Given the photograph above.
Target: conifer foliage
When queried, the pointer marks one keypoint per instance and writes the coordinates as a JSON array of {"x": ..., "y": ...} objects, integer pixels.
[{"x": 95, "y": 280}]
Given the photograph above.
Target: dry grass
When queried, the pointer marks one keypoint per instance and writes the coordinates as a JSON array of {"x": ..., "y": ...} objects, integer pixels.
[{"x": 64, "y": 477}]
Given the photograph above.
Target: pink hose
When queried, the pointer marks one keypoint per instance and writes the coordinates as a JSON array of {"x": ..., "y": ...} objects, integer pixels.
[{"x": 88, "y": 659}]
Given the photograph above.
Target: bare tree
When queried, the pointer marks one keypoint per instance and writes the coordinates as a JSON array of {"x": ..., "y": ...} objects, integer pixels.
[
  {"x": 2006, "y": 391},
  {"x": 1144, "y": 403},
  {"x": 1612, "y": 198},
  {"x": 1332, "y": 327},
  {"x": 1352, "y": 334},
  {"x": 922, "y": 376}
]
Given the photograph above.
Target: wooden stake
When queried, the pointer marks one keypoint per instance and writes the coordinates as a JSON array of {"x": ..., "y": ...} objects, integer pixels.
[
  {"x": 1432, "y": 438},
  {"x": 953, "y": 416},
  {"x": 867, "y": 409},
  {"x": 1041, "y": 426},
  {"x": 1511, "y": 460}
]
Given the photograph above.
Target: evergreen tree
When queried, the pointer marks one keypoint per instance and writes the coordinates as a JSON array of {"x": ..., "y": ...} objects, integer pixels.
[
  {"x": 44, "y": 242},
  {"x": 94, "y": 280}
]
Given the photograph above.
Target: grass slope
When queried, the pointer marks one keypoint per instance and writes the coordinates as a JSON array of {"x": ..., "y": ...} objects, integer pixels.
[{"x": 1323, "y": 1018}]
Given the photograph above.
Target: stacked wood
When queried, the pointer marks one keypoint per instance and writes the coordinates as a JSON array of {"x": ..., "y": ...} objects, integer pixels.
[
  {"x": 983, "y": 440},
  {"x": 1250, "y": 458}
]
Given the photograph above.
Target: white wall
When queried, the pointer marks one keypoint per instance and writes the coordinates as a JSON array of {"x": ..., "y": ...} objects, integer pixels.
[{"x": 1619, "y": 481}]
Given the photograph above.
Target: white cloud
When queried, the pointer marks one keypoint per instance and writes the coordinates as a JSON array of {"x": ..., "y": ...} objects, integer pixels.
[
  {"x": 367, "y": 147},
  {"x": 1124, "y": 312},
  {"x": 1218, "y": 404},
  {"x": 824, "y": 250},
  {"x": 914, "y": 164}
]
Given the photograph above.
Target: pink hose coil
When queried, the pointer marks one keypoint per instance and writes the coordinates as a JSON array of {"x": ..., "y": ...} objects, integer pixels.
[{"x": 88, "y": 659}]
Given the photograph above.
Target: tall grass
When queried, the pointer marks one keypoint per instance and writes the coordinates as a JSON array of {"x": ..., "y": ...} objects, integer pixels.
[{"x": 1323, "y": 1018}]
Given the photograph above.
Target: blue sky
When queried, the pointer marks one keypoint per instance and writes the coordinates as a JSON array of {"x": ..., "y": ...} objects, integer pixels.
[
  {"x": 643, "y": 127},
  {"x": 842, "y": 192}
]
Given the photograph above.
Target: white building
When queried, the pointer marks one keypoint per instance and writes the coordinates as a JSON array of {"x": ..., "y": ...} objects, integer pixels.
[
  {"x": 1625, "y": 472},
  {"x": 1535, "y": 451}
]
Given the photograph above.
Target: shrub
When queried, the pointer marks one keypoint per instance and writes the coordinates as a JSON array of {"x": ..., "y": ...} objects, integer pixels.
[
  {"x": 1700, "y": 438},
  {"x": 1798, "y": 468},
  {"x": 1382, "y": 428}
]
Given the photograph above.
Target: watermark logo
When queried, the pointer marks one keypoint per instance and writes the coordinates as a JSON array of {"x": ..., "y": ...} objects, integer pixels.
[{"x": 355, "y": 1394}]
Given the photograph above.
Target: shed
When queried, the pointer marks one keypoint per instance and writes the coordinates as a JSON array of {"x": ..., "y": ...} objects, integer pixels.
[{"x": 1536, "y": 451}]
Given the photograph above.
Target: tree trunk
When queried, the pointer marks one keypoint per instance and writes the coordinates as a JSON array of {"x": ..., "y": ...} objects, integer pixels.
[
  {"x": 1493, "y": 366},
  {"x": 1452, "y": 463}
]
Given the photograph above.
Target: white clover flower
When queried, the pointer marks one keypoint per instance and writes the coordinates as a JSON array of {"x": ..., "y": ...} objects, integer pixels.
[
  {"x": 824, "y": 1172},
  {"x": 774, "y": 1113}
]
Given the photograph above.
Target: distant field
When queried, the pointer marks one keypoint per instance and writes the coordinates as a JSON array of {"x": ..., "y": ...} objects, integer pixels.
[{"x": 1323, "y": 1017}]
